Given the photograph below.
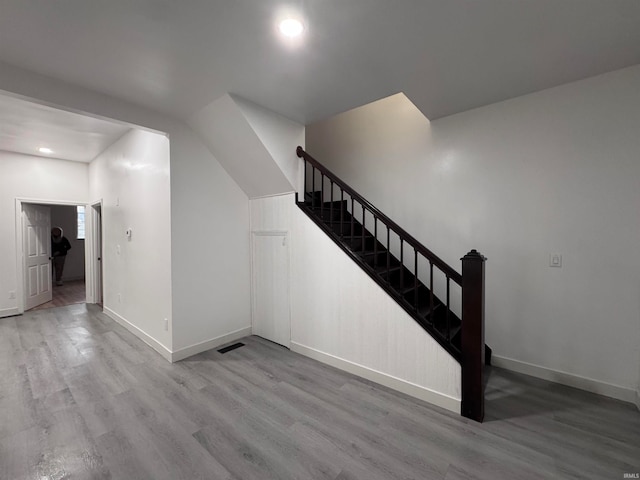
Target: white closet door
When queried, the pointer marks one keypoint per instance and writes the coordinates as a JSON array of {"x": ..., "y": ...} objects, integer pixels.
[{"x": 270, "y": 291}]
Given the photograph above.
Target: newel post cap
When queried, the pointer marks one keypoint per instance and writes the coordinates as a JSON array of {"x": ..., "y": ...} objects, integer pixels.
[
  {"x": 474, "y": 255},
  {"x": 299, "y": 151}
]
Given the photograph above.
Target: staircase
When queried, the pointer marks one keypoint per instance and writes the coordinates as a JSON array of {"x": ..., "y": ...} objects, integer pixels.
[{"x": 408, "y": 271}]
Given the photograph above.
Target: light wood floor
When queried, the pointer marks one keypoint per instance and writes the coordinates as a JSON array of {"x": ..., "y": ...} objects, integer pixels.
[
  {"x": 82, "y": 398},
  {"x": 67, "y": 294}
]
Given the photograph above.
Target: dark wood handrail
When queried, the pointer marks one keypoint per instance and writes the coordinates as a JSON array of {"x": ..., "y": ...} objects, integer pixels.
[{"x": 428, "y": 254}]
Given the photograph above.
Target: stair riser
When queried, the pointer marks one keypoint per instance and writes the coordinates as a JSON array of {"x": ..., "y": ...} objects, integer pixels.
[
  {"x": 395, "y": 277},
  {"x": 328, "y": 215},
  {"x": 423, "y": 296},
  {"x": 316, "y": 203},
  {"x": 380, "y": 260},
  {"x": 346, "y": 228},
  {"x": 356, "y": 244}
]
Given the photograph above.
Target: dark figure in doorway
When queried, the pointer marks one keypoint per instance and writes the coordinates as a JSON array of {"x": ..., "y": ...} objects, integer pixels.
[{"x": 59, "y": 248}]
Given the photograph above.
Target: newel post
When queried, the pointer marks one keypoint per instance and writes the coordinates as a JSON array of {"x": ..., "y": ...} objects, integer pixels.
[
  {"x": 473, "y": 336},
  {"x": 301, "y": 173}
]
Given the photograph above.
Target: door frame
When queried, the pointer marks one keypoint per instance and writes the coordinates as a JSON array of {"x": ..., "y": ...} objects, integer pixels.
[
  {"x": 270, "y": 233},
  {"x": 20, "y": 246},
  {"x": 94, "y": 285}
]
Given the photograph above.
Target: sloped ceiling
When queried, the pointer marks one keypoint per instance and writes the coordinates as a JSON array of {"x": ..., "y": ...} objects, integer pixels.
[
  {"x": 279, "y": 136},
  {"x": 226, "y": 131},
  {"x": 446, "y": 56}
]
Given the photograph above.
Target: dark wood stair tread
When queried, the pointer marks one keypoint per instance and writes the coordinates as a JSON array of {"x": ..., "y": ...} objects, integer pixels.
[
  {"x": 357, "y": 237},
  {"x": 343, "y": 222},
  {"x": 382, "y": 269},
  {"x": 425, "y": 310},
  {"x": 371, "y": 253}
]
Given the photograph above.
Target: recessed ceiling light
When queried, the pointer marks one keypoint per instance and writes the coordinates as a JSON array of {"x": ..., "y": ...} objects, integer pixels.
[
  {"x": 291, "y": 27},
  {"x": 45, "y": 150}
]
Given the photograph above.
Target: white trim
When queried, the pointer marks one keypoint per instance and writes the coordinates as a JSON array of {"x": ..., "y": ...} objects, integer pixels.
[
  {"x": 181, "y": 353},
  {"x": 637, "y": 400},
  {"x": 9, "y": 312},
  {"x": 564, "y": 378},
  {"x": 41, "y": 201},
  {"x": 273, "y": 195},
  {"x": 196, "y": 348},
  {"x": 408, "y": 388},
  {"x": 84, "y": 113},
  {"x": 93, "y": 287},
  {"x": 19, "y": 258},
  {"x": 141, "y": 334}
]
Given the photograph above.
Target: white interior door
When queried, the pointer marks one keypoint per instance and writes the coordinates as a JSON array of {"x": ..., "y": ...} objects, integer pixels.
[
  {"x": 36, "y": 235},
  {"x": 97, "y": 249},
  {"x": 271, "y": 318}
]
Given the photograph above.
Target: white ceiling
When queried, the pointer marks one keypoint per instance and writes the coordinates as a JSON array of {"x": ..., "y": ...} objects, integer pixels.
[
  {"x": 446, "y": 55},
  {"x": 27, "y": 126}
]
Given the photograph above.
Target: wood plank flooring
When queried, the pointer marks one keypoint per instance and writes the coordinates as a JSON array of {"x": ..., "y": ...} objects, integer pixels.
[
  {"x": 68, "y": 294},
  {"x": 82, "y": 398}
]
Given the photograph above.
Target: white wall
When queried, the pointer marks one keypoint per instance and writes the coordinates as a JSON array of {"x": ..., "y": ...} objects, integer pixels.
[
  {"x": 29, "y": 177},
  {"x": 66, "y": 217},
  {"x": 279, "y": 135},
  {"x": 552, "y": 172},
  {"x": 342, "y": 317},
  {"x": 226, "y": 131},
  {"x": 197, "y": 201},
  {"x": 210, "y": 218},
  {"x": 131, "y": 178}
]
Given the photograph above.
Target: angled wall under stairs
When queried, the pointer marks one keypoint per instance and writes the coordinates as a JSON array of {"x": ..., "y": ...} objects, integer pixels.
[
  {"x": 341, "y": 317},
  {"x": 364, "y": 233},
  {"x": 431, "y": 313}
]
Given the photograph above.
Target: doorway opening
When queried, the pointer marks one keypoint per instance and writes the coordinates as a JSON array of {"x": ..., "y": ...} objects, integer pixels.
[{"x": 54, "y": 272}]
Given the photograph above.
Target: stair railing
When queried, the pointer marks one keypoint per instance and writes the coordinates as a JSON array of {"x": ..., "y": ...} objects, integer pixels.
[{"x": 471, "y": 281}]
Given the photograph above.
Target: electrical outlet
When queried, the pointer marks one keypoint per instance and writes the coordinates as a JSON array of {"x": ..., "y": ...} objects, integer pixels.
[
  {"x": 555, "y": 260},
  {"x": 12, "y": 295},
  {"x": 166, "y": 324}
]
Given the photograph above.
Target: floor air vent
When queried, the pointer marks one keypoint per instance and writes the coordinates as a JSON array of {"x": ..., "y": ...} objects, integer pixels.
[{"x": 231, "y": 347}]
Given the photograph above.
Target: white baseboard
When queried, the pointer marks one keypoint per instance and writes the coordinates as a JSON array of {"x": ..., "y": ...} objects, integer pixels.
[
  {"x": 146, "y": 338},
  {"x": 9, "y": 312},
  {"x": 385, "y": 379},
  {"x": 569, "y": 379},
  {"x": 185, "y": 352},
  {"x": 182, "y": 353}
]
